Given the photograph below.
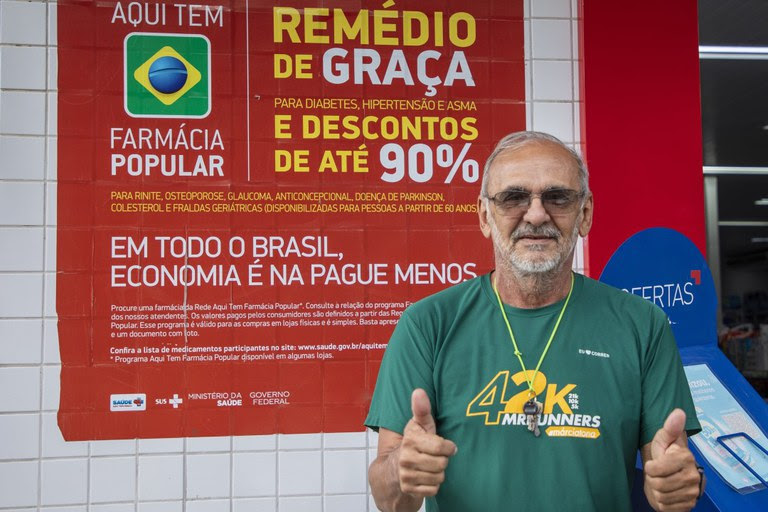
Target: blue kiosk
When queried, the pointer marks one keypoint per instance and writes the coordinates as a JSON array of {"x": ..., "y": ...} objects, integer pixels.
[{"x": 665, "y": 267}]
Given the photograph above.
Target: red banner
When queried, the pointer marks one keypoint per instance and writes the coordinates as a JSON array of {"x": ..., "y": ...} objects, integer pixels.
[{"x": 250, "y": 195}]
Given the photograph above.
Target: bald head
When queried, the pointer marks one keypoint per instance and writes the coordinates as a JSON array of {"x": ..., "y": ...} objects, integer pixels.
[{"x": 517, "y": 140}]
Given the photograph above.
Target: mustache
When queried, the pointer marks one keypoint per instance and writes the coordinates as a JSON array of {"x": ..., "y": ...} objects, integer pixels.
[{"x": 544, "y": 230}]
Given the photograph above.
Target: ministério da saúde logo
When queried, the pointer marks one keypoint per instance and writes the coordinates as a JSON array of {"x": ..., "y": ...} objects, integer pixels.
[
  {"x": 167, "y": 75},
  {"x": 128, "y": 402}
]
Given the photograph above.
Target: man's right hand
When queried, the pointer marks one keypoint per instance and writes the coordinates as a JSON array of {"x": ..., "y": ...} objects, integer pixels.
[{"x": 423, "y": 454}]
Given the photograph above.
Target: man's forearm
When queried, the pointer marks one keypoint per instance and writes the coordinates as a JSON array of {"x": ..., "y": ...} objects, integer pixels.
[{"x": 385, "y": 486}]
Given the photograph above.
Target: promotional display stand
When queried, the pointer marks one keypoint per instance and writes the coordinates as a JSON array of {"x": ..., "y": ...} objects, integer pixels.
[{"x": 665, "y": 267}]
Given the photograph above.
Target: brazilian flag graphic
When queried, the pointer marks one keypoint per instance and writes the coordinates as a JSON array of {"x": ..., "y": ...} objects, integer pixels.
[{"x": 167, "y": 75}]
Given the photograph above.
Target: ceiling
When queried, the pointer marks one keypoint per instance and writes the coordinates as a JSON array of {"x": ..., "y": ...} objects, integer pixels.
[
  {"x": 733, "y": 22},
  {"x": 735, "y": 123}
]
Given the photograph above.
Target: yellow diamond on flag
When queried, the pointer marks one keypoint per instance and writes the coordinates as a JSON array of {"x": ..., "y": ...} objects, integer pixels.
[{"x": 142, "y": 76}]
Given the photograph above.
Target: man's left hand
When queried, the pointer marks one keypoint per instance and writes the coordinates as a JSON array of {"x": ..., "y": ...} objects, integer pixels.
[{"x": 671, "y": 477}]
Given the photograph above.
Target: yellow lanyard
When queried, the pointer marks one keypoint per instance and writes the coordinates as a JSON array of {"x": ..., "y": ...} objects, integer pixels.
[{"x": 531, "y": 392}]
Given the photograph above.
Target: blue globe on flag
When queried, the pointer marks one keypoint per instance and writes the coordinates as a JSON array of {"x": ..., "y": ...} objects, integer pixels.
[{"x": 167, "y": 74}]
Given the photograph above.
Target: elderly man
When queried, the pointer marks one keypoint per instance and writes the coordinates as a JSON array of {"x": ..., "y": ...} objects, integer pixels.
[{"x": 532, "y": 387}]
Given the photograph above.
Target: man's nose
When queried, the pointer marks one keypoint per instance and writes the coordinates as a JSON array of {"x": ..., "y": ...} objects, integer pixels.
[{"x": 536, "y": 214}]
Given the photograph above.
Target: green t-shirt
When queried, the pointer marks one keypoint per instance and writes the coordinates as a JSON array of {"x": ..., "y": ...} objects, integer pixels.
[{"x": 608, "y": 382}]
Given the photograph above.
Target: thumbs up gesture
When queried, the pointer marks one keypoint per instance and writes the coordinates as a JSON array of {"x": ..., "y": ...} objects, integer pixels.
[
  {"x": 671, "y": 477},
  {"x": 423, "y": 454}
]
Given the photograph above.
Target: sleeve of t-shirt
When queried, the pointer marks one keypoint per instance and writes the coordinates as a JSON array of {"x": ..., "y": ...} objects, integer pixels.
[
  {"x": 665, "y": 386},
  {"x": 407, "y": 364}
]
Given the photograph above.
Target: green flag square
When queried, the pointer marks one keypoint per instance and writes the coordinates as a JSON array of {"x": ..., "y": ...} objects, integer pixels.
[{"x": 167, "y": 75}]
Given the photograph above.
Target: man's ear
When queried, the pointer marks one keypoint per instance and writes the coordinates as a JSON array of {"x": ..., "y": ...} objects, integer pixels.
[
  {"x": 586, "y": 216},
  {"x": 482, "y": 214}
]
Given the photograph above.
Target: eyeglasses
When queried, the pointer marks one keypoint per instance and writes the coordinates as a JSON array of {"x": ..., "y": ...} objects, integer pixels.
[{"x": 556, "y": 201}]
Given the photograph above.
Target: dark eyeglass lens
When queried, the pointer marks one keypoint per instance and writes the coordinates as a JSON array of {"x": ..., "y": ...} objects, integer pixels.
[
  {"x": 552, "y": 199},
  {"x": 514, "y": 198},
  {"x": 558, "y": 198}
]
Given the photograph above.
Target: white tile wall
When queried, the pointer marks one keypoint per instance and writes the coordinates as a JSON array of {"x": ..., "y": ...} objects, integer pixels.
[
  {"x": 553, "y": 80},
  {"x": 20, "y": 341},
  {"x": 301, "y": 504},
  {"x": 161, "y": 477},
  {"x": 64, "y": 481},
  {"x": 299, "y": 473},
  {"x": 113, "y": 479},
  {"x": 208, "y": 444},
  {"x": 23, "y": 67},
  {"x": 554, "y": 118},
  {"x": 52, "y": 26},
  {"x": 49, "y": 305},
  {"x": 551, "y": 39},
  {"x": 21, "y": 436},
  {"x": 41, "y": 471},
  {"x": 351, "y": 440},
  {"x": 161, "y": 445},
  {"x": 160, "y": 506},
  {"x": 49, "y": 262},
  {"x": 51, "y": 159},
  {"x": 124, "y": 447},
  {"x": 208, "y": 476},
  {"x": 23, "y": 158},
  {"x": 254, "y": 474},
  {"x": 18, "y": 483},
  {"x": 22, "y": 249},
  {"x": 52, "y": 114},
  {"x": 256, "y": 505},
  {"x": 23, "y": 112},
  {"x": 53, "y": 69},
  {"x": 22, "y": 23},
  {"x": 111, "y": 507},
  {"x": 208, "y": 506},
  {"x": 578, "y": 260},
  {"x": 243, "y": 443},
  {"x": 21, "y": 203},
  {"x": 51, "y": 201},
  {"x": 551, "y": 9},
  {"x": 299, "y": 441},
  {"x": 50, "y": 342},
  {"x": 19, "y": 389},
  {"x": 344, "y": 471},
  {"x": 346, "y": 502}
]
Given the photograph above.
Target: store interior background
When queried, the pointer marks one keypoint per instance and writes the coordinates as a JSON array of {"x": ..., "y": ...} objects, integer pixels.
[{"x": 734, "y": 63}]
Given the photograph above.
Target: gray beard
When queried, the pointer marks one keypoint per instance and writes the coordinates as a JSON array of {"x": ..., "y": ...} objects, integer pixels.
[{"x": 522, "y": 266}]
